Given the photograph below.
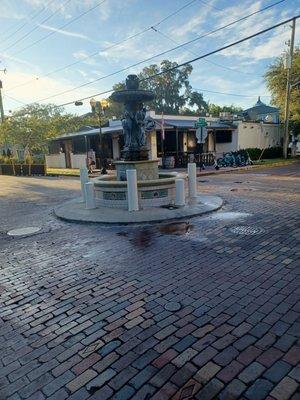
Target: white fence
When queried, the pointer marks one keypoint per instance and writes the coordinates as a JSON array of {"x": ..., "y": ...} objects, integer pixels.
[
  {"x": 56, "y": 160},
  {"x": 78, "y": 160}
]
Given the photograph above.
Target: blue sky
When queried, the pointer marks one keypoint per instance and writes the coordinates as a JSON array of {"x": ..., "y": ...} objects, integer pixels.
[{"x": 30, "y": 66}]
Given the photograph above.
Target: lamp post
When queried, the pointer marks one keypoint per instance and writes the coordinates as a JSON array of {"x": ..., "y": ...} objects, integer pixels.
[{"x": 98, "y": 108}]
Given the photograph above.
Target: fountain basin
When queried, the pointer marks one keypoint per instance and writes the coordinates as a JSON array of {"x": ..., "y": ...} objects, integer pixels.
[{"x": 111, "y": 192}]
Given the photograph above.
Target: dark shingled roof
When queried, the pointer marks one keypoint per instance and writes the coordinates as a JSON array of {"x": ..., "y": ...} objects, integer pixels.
[{"x": 259, "y": 109}]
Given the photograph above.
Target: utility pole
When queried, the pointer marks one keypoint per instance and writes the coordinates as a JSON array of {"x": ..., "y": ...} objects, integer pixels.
[
  {"x": 1, "y": 104},
  {"x": 288, "y": 91}
]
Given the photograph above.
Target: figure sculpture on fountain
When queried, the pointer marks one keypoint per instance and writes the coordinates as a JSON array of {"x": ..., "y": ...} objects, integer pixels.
[{"x": 135, "y": 123}]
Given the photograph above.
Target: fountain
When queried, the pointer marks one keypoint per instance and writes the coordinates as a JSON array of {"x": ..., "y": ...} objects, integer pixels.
[
  {"x": 148, "y": 195},
  {"x": 154, "y": 188}
]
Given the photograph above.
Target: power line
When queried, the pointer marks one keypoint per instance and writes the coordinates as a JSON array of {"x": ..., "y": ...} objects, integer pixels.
[
  {"x": 158, "y": 55},
  {"x": 111, "y": 46},
  {"x": 12, "y": 98},
  {"x": 26, "y": 22},
  {"x": 208, "y": 61},
  {"x": 225, "y": 47},
  {"x": 227, "y": 94},
  {"x": 61, "y": 27},
  {"x": 210, "y": 5},
  {"x": 36, "y": 27},
  {"x": 197, "y": 58}
]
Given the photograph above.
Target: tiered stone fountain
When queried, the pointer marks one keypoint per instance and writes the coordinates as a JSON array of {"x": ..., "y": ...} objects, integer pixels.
[
  {"x": 138, "y": 192},
  {"x": 154, "y": 189}
]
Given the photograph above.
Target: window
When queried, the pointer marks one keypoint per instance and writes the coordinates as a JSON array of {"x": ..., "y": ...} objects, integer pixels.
[
  {"x": 79, "y": 145},
  {"x": 223, "y": 137}
]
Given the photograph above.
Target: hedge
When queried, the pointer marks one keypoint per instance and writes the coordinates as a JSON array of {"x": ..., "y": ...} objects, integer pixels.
[{"x": 270, "y": 152}]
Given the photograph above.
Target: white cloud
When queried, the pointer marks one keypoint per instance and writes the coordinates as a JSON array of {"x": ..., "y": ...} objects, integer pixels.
[
  {"x": 9, "y": 11},
  {"x": 37, "y": 89},
  {"x": 84, "y": 57},
  {"x": 6, "y": 58},
  {"x": 266, "y": 48},
  {"x": 64, "y": 32},
  {"x": 193, "y": 25}
]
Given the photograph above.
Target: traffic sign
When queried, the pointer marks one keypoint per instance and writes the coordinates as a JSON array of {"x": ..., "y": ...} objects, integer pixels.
[
  {"x": 201, "y": 134},
  {"x": 200, "y": 123}
]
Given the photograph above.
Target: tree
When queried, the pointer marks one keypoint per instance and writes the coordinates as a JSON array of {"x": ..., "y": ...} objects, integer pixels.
[
  {"x": 276, "y": 82},
  {"x": 30, "y": 128},
  {"x": 171, "y": 88},
  {"x": 215, "y": 109},
  {"x": 115, "y": 109},
  {"x": 196, "y": 99}
]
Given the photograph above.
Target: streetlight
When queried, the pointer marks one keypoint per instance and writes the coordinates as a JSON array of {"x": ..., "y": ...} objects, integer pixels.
[{"x": 98, "y": 108}]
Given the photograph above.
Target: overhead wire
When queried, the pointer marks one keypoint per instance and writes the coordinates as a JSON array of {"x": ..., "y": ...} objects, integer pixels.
[
  {"x": 157, "y": 55},
  {"x": 195, "y": 54},
  {"x": 110, "y": 46},
  {"x": 36, "y": 27},
  {"x": 196, "y": 58},
  {"x": 228, "y": 94},
  {"x": 60, "y": 27},
  {"x": 26, "y": 22}
]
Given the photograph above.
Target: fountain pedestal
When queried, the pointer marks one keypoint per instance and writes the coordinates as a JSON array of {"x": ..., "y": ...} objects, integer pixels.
[{"x": 145, "y": 170}]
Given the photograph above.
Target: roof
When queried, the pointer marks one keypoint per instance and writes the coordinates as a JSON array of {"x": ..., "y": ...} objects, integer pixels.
[
  {"x": 169, "y": 123},
  {"x": 91, "y": 132},
  {"x": 259, "y": 108},
  {"x": 188, "y": 124}
]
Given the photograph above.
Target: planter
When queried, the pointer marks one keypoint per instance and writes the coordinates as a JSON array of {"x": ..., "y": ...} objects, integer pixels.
[{"x": 22, "y": 169}]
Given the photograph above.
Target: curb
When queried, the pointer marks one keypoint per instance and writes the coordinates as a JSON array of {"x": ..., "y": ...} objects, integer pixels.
[
  {"x": 62, "y": 212},
  {"x": 249, "y": 167}
]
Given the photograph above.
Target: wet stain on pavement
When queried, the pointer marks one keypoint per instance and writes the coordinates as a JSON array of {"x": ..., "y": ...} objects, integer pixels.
[
  {"x": 142, "y": 238},
  {"x": 176, "y": 228}
]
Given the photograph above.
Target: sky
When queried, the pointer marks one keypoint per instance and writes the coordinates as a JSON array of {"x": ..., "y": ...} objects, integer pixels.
[{"x": 49, "y": 47}]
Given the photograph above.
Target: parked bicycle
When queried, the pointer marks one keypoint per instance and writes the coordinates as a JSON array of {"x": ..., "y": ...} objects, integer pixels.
[{"x": 234, "y": 159}]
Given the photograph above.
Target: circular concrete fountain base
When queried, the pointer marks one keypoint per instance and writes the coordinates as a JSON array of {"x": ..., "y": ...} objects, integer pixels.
[{"x": 75, "y": 211}]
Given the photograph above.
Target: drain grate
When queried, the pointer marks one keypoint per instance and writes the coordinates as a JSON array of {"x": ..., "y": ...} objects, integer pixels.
[{"x": 246, "y": 230}]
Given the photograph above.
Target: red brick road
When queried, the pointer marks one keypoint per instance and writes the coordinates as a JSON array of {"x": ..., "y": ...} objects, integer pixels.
[{"x": 84, "y": 308}]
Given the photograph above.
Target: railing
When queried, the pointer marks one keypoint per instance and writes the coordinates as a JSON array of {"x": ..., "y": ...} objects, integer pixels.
[{"x": 182, "y": 160}]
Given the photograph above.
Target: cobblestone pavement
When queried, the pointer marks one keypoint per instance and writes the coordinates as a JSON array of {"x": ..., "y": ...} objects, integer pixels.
[{"x": 92, "y": 312}]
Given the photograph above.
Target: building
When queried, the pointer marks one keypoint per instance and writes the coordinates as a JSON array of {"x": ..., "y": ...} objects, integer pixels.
[
  {"x": 262, "y": 113},
  {"x": 174, "y": 139},
  {"x": 180, "y": 142}
]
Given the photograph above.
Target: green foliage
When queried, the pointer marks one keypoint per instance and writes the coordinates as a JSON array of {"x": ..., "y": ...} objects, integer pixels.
[
  {"x": 115, "y": 109},
  {"x": 30, "y": 128},
  {"x": 276, "y": 82},
  {"x": 215, "y": 109},
  {"x": 171, "y": 88},
  {"x": 196, "y": 99},
  {"x": 270, "y": 152}
]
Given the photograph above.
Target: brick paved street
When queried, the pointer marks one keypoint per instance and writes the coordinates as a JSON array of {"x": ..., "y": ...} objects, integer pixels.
[{"x": 85, "y": 309}]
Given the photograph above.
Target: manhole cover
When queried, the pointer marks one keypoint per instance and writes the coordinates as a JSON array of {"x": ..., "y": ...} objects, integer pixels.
[
  {"x": 30, "y": 230},
  {"x": 173, "y": 306},
  {"x": 246, "y": 230}
]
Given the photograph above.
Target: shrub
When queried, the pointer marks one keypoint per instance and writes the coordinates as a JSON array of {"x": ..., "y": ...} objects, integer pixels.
[{"x": 270, "y": 152}]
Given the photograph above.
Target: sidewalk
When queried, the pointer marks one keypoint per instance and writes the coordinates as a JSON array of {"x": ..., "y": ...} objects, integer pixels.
[{"x": 210, "y": 170}]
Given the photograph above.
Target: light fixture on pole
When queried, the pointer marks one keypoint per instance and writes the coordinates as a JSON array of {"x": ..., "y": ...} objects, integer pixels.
[{"x": 98, "y": 108}]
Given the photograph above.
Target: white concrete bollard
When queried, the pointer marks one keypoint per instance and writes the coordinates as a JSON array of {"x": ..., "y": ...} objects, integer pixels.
[
  {"x": 192, "y": 177},
  {"x": 84, "y": 178},
  {"x": 90, "y": 202},
  {"x": 180, "y": 192},
  {"x": 132, "y": 192}
]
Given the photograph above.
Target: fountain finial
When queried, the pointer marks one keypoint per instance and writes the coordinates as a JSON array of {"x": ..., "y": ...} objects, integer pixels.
[{"x": 132, "y": 82}]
